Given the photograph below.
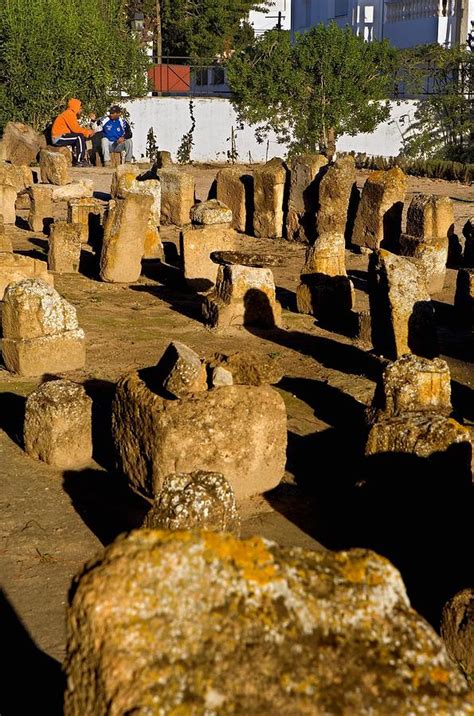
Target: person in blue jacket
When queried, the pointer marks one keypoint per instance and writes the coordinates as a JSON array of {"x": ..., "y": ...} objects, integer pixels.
[{"x": 117, "y": 135}]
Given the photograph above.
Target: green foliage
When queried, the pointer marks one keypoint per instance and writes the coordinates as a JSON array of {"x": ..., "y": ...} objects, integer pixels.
[
  {"x": 200, "y": 28},
  {"x": 328, "y": 82},
  {"x": 444, "y": 120},
  {"x": 187, "y": 141},
  {"x": 151, "y": 150},
  {"x": 431, "y": 168},
  {"x": 51, "y": 50}
]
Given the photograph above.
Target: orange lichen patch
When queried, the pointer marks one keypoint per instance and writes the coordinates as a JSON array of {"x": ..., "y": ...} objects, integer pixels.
[
  {"x": 441, "y": 676},
  {"x": 251, "y": 556}
]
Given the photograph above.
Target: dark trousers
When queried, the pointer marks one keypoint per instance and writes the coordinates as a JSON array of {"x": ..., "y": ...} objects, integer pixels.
[
  {"x": 74, "y": 140},
  {"x": 96, "y": 150}
]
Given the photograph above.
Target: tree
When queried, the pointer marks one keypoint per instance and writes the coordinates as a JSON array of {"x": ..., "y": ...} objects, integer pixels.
[
  {"x": 54, "y": 49},
  {"x": 444, "y": 119},
  {"x": 200, "y": 28},
  {"x": 328, "y": 82}
]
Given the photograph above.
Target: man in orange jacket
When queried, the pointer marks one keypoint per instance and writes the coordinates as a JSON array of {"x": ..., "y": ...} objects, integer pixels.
[{"x": 66, "y": 130}]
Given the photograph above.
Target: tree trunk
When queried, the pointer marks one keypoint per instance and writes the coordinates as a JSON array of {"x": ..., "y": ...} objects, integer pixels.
[
  {"x": 158, "y": 35},
  {"x": 331, "y": 144}
]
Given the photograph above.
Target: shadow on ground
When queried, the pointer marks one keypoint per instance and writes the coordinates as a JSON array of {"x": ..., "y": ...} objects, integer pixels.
[{"x": 32, "y": 682}]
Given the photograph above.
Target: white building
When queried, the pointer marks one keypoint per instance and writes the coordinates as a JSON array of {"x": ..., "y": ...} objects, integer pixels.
[
  {"x": 278, "y": 14},
  {"x": 405, "y": 23}
]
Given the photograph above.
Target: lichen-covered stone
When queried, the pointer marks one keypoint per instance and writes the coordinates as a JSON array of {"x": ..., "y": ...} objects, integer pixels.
[
  {"x": 54, "y": 168},
  {"x": 432, "y": 254},
  {"x": 233, "y": 190},
  {"x": 21, "y": 177},
  {"x": 124, "y": 238},
  {"x": 248, "y": 368},
  {"x": 379, "y": 216},
  {"x": 335, "y": 192},
  {"x": 64, "y": 253},
  {"x": 5, "y": 241},
  {"x": 211, "y": 212},
  {"x": 401, "y": 309},
  {"x": 413, "y": 384},
  {"x": 168, "y": 623},
  {"x": 40, "y": 330},
  {"x": 457, "y": 630},
  {"x": 242, "y": 296},
  {"x": 197, "y": 500},
  {"x": 181, "y": 370},
  {"x": 16, "y": 267},
  {"x": 177, "y": 196},
  {"x": 239, "y": 431},
  {"x": 305, "y": 175},
  {"x": 196, "y": 246},
  {"x": 58, "y": 424},
  {"x": 327, "y": 256},
  {"x": 75, "y": 190},
  {"x": 269, "y": 189},
  {"x": 430, "y": 216},
  {"x": 20, "y": 143},
  {"x": 132, "y": 170}
]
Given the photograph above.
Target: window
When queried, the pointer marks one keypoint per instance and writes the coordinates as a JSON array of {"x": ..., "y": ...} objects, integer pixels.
[{"x": 341, "y": 7}]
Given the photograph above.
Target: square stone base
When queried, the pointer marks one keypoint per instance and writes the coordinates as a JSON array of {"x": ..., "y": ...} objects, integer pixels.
[
  {"x": 255, "y": 310},
  {"x": 325, "y": 296},
  {"x": 48, "y": 354}
]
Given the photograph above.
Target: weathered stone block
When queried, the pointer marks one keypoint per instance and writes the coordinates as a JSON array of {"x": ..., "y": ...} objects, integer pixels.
[
  {"x": 430, "y": 216},
  {"x": 88, "y": 213},
  {"x": 432, "y": 254},
  {"x": 269, "y": 189},
  {"x": 21, "y": 177},
  {"x": 54, "y": 168},
  {"x": 58, "y": 425},
  {"x": 204, "y": 623},
  {"x": 196, "y": 246},
  {"x": 20, "y": 143},
  {"x": 15, "y": 267},
  {"x": 74, "y": 190},
  {"x": 210, "y": 212},
  {"x": 177, "y": 196},
  {"x": 5, "y": 242},
  {"x": 379, "y": 216},
  {"x": 457, "y": 630},
  {"x": 64, "y": 253},
  {"x": 305, "y": 174},
  {"x": 41, "y": 206},
  {"x": 132, "y": 170},
  {"x": 326, "y": 256},
  {"x": 163, "y": 159},
  {"x": 40, "y": 330},
  {"x": 400, "y": 306},
  {"x": 65, "y": 151},
  {"x": 221, "y": 377},
  {"x": 197, "y": 500},
  {"x": 8, "y": 196},
  {"x": 235, "y": 190},
  {"x": 413, "y": 384},
  {"x": 239, "y": 431},
  {"x": 335, "y": 192},
  {"x": 124, "y": 238},
  {"x": 129, "y": 184},
  {"x": 181, "y": 371},
  {"x": 242, "y": 296}
]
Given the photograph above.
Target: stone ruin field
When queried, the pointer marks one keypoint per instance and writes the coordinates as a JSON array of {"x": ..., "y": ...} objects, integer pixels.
[{"x": 415, "y": 512}]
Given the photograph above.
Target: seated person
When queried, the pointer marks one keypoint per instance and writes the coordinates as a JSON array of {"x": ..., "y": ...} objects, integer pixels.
[
  {"x": 66, "y": 131},
  {"x": 117, "y": 135}
]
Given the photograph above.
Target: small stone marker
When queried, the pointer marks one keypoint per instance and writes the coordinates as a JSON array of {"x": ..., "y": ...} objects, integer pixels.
[
  {"x": 235, "y": 190},
  {"x": 40, "y": 330},
  {"x": 379, "y": 216},
  {"x": 181, "y": 371},
  {"x": 124, "y": 238},
  {"x": 41, "y": 206},
  {"x": 242, "y": 296},
  {"x": 335, "y": 191},
  {"x": 64, "y": 247},
  {"x": 400, "y": 306},
  {"x": 197, "y": 500},
  {"x": 196, "y": 246},
  {"x": 432, "y": 254},
  {"x": 177, "y": 196},
  {"x": 54, "y": 168},
  {"x": 129, "y": 184},
  {"x": 430, "y": 216},
  {"x": 58, "y": 424},
  {"x": 269, "y": 189},
  {"x": 305, "y": 176}
]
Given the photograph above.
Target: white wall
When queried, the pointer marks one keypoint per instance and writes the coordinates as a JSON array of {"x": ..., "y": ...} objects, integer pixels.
[
  {"x": 263, "y": 21},
  {"x": 169, "y": 117}
]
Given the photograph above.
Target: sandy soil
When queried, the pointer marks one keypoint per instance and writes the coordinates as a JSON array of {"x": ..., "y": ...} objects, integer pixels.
[{"x": 52, "y": 522}]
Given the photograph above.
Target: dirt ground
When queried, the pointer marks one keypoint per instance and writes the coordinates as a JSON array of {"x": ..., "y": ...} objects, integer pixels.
[{"x": 53, "y": 521}]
